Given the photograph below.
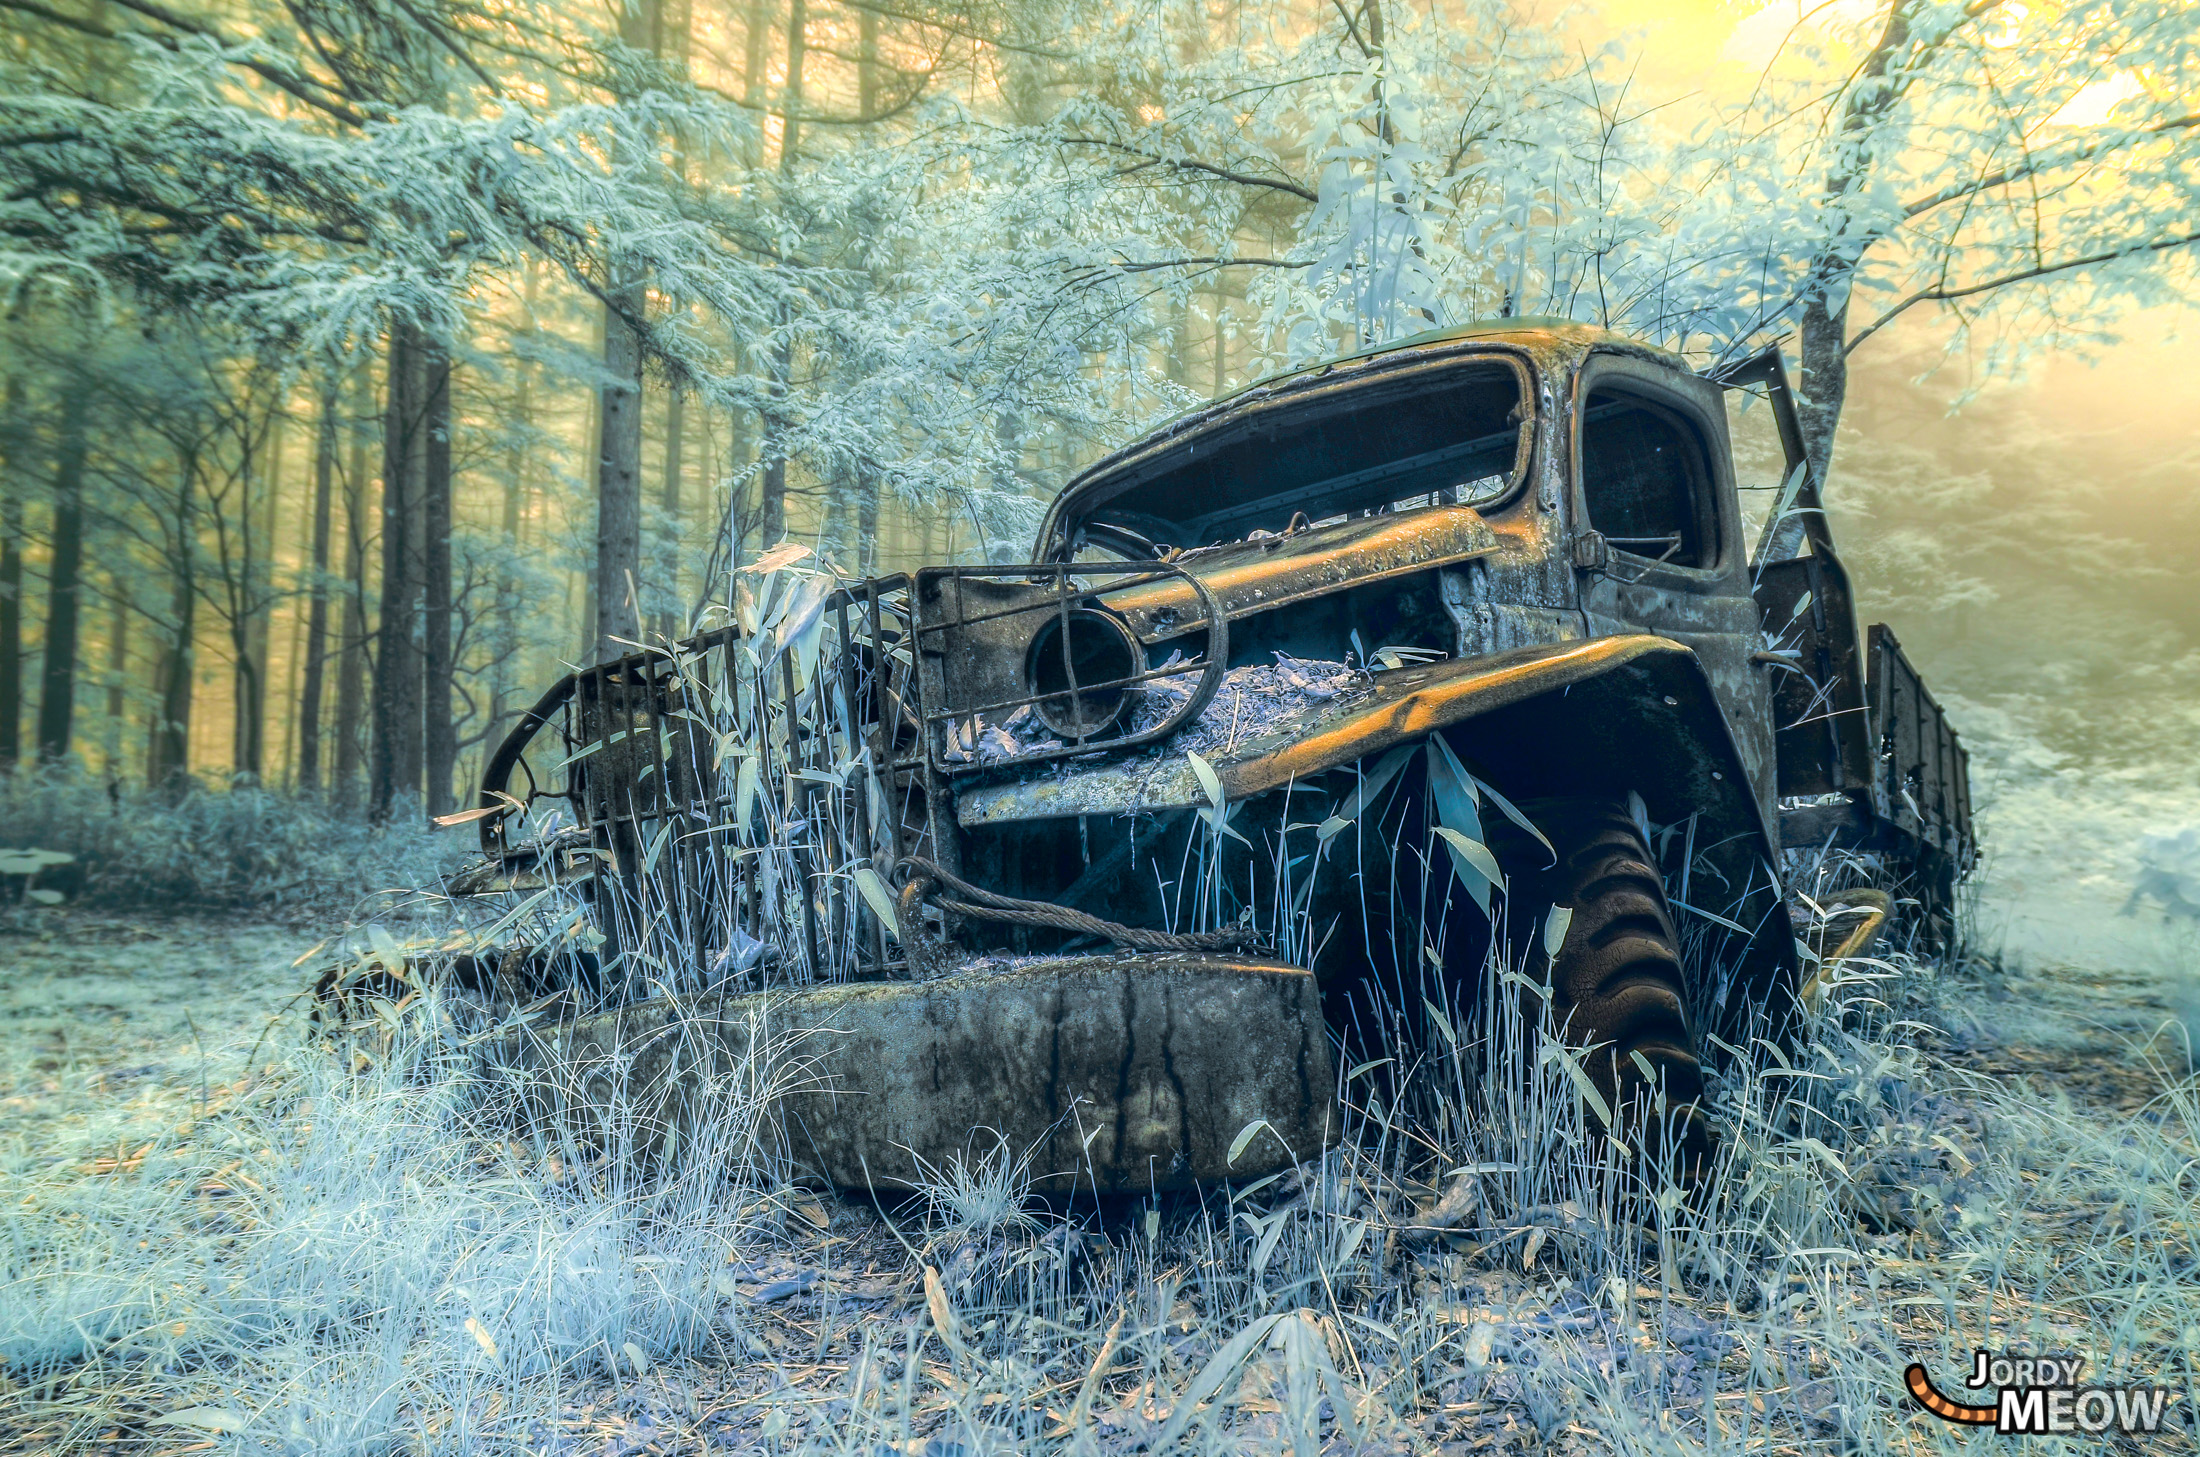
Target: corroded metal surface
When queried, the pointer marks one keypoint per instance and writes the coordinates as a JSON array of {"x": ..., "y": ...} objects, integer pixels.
[
  {"x": 1405, "y": 705},
  {"x": 1118, "y": 1074},
  {"x": 1263, "y": 575}
]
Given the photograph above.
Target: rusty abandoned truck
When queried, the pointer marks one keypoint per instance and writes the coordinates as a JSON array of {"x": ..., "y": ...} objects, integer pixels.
[{"x": 1309, "y": 706}]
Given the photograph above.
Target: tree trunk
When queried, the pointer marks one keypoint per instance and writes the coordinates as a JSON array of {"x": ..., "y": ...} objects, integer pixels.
[
  {"x": 772, "y": 528},
  {"x": 435, "y": 515},
  {"x": 57, "y": 680},
  {"x": 11, "y": 594},
  {"x": 798, "y": 46},
  {"x": 619, "y": 480},
  {"x": 1177, "y": 363},
  {"x": 244, "y": 724},
  {"x": 1222, "y": 345},
  {"x": 1871, "y": 94},
  {"x": 351, "y": 663},
  {"x": 585, "y": 652},
  {"x": 395, "y": 751},
  {"x": 252, "y": 633},
  {"x": 775, "y": 429},
  {"x": 867, "y": 501},
  {"x": 309, "y": 696},
  {"x": 619, "y": 460},
  {"x": 168, "y": 760},
  {"x": 118, "y": 675},
  {"x": 867, "y": 63},
  {"x": 668, "y": 557},
  {"x": 507, "y": 608},
  {"x": 1824, "y": 387},
  {"x": 168, "y": 751},
  {"x": 755, "y": 38}
]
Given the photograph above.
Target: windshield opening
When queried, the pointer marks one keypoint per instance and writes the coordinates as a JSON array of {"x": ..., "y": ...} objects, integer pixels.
[{"x": 1454, "y": 435}]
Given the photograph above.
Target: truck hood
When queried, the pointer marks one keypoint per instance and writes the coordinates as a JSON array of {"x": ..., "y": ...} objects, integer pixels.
[{"x": 1265, "y": 573}]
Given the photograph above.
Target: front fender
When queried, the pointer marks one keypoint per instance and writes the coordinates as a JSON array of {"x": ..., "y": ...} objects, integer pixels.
[
  {"x": 1116, "y": 1074},
  {"x": 1631, "y": 712},
  {"x": 1606, "y": 716}
]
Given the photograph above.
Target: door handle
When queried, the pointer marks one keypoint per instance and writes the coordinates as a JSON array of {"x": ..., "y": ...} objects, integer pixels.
[{"x": 1591, "y": 552}]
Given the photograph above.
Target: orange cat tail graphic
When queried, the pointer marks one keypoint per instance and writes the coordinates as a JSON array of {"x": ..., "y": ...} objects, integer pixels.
[{"x": 1921, "y": 1386}]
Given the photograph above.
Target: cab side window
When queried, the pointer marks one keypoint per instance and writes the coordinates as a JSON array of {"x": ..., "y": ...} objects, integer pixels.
[{"x": 1647, "y": 480}]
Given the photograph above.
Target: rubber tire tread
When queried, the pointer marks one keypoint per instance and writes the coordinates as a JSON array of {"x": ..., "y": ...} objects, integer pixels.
[{"x": 1617, "y": 982}]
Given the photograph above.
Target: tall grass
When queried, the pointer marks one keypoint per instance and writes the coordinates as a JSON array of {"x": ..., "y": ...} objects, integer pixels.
[{"x": 375, "y": 1246}]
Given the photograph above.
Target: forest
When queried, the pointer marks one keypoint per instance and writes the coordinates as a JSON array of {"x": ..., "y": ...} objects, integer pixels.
[
  {"x": 365, "y": 364},
  {"x": 372, "y": 366}
]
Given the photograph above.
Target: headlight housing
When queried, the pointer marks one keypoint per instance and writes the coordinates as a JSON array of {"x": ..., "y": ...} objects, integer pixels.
[{"x": 1079, "y": 668}]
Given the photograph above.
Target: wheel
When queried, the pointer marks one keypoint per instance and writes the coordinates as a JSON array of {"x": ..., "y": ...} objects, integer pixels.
[{"x": 1617, "y": 992}]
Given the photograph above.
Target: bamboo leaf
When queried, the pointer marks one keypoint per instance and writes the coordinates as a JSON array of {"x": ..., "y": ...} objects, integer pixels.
[
  {"x": 786, "y": 554},
  {"x": 468, "y": 816},
  {"x": 1246, "y": 1135},
  {"x": 204, "y": 1418},
  {"x": 1583, "y": 1084},
  {"x": 656, "y": 848},
  {"x": 1709, "y": 916},
  {"x": 1827, "y": 1157},
  {"x": 1373, "y": 782},
  {"x": 1555, "y": 927},
  {"x": 1307, "y": 1348},
  {"x": 1443, "y": 1023},
  {"x": 744, "y": 796},
  {"x": 1268, "y": 1241},
  {"x": 1453, "y": 789},
  {"x": 1507, "y": 808},
  {"x": 1452, "y": 793},
  {"x": 879, "y": 898},
  {"x": 511, "y": 917},
  {"x": 1208, "y": 1382},
  {"x": 1209, "y": 781},
  {"x": 1476, "y": 854}
]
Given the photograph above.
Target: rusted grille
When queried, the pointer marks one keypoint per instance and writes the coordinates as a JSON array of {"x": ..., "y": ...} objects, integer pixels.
[
  {"x": 1027, "y": 664},
  {"x": 736, "y": 785}
]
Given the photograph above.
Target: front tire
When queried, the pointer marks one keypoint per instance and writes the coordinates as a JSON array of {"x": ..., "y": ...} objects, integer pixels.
[{"x": 1618, "y": 996}]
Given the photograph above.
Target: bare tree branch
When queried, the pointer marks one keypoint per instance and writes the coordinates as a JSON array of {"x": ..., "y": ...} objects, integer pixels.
[
  {"x": 2041, "y": 162},
  {"x": 1942, "y": 294},
  {"x": 1187, "y": 164}
]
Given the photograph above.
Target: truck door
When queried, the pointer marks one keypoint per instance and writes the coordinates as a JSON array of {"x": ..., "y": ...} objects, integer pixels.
[
  {"x": 1657, "y": 533},
  {"x": 1807, "y": 616}
]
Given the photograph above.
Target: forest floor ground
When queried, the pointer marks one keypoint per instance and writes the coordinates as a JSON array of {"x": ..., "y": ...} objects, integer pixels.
[{"x": 2048, "y": 1196}]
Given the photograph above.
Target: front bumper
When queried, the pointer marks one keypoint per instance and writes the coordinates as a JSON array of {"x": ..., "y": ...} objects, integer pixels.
[{"x": 1112, "y": 1074}]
